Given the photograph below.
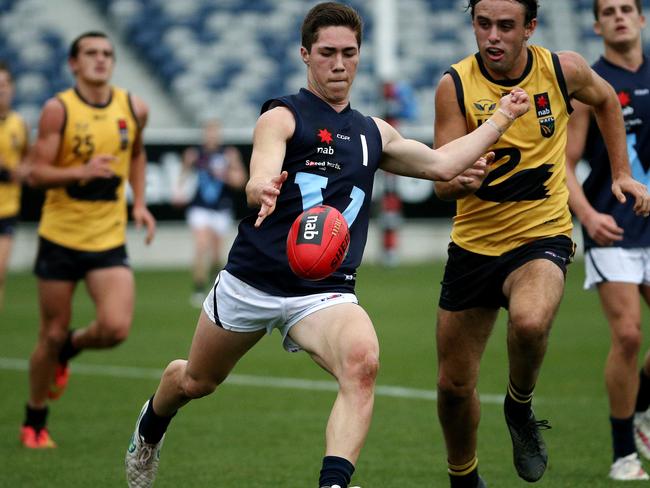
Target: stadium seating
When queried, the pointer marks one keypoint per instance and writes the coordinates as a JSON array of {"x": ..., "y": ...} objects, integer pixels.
[
  {"x": 35, "y": 53},
  {"x": 225, "y": 57}
]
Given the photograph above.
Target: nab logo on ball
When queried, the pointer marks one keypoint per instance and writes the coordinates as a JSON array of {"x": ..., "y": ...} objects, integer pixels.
[
  {"x": 317, "y": 242},
  {"x": 311, "y": 228}
]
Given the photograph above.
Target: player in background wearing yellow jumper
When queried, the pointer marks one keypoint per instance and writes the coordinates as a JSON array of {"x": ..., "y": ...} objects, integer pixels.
[
  {"x": 89, "y": 145},
  {"x": 14, "y": 143}
]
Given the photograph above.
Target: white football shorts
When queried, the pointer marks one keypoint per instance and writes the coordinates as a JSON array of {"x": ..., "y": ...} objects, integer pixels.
[
  {"x": 617, "y": 264},
  {"x": 243, "y": 308},
  {"x": 218, "y": 221}
]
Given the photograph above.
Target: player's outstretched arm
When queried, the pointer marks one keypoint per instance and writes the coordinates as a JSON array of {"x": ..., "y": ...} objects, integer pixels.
[
  {"x": 586, "y": 86},
  {"x": 411, "y": 158},
  {"x": 272, "y": 131}
]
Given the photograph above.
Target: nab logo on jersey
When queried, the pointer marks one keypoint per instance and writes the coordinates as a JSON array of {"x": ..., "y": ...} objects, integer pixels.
[
  {"x": 543, "y": 105},
  {"x": 544, "y": 114}
]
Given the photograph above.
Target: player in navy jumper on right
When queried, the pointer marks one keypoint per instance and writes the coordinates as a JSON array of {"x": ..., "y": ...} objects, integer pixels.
[{"x": 617, "y": 242}]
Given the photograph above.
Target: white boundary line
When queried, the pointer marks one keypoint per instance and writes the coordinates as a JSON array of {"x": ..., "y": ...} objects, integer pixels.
[{"x": 15, "y": 364}]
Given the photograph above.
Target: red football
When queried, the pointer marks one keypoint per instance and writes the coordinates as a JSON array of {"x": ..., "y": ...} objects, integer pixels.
[{"x": 317, "y": 242}]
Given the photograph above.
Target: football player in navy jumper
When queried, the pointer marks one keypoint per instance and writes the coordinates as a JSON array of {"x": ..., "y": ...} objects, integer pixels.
[
  {"x": 308, "y": 148},
  {"x": 617, "y": 242}
]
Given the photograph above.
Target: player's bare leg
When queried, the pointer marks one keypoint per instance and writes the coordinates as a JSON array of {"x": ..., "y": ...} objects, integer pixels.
[
  {"x": 342, "y": 340},
  {"x": 200, "y": 264},
  {"x": 5, "y": 250},
  {"x": 56, "y": 310},
  {"x": 216, "y": 247},
  {"x": 621, "y": 303},
  {"x": 55, "y": 300},
  {"x": 213, "y": 354},
  {"x": 461, "y": 338},
  {"x": 113, "y": 292},
  {"x": 534, "y": 292}
]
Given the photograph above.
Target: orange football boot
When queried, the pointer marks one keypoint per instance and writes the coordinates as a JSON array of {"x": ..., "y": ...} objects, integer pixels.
[{"x": 33, "y": 439}]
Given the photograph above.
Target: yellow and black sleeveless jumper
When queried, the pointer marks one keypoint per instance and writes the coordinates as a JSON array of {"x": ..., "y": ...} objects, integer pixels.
[
  {"x": 525, "y": 196},
  {"x": 91, "y": 216}
]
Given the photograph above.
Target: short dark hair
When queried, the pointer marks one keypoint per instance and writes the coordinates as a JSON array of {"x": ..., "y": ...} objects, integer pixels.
[
  {"x": 74, "y": 47},
  {"x": 530, "y": 5},
  {"x": 638, "y": 4},
  {"x": 5, "y": 67},
  {"x": 330, "y": 14}
]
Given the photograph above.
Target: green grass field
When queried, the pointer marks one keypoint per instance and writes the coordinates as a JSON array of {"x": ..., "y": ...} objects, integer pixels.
[{"x": 255, "y": 432}]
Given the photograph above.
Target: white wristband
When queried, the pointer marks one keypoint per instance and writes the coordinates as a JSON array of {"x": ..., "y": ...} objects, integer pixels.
[
  {"x": 510, "y": 116},
  {"x": 494, "y": 125}
]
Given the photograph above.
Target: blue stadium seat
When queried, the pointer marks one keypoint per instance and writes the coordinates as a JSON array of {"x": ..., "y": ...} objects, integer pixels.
[{"x": 224, "y": 54}]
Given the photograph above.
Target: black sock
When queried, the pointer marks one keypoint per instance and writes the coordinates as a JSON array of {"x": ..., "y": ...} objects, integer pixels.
[
  {"x": 152, "y": 425},
  {"x": 518, "y": 403},
  {"x": 465, "y": 475},
  {"x": 35, "y": 417},
  {"x": 622, "y": 436},
  {"x": 335, "y": 471},
  {"x": 643, "y": 396},
  {"x": 68, "y": 351}
]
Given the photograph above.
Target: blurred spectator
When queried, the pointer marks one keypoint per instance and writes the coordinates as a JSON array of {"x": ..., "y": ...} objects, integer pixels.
[{"x": 220, "y": 172}]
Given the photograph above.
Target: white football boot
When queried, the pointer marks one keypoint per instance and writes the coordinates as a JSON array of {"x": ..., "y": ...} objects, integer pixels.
[
  {"x": 642, "y": 433},
  {"x": 142, "y": 458},
  {"x": 628, "y": 468}
]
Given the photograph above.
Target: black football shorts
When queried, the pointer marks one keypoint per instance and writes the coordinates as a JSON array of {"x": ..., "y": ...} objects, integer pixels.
[
  {"x": 476, "y": 280},
  {"x": 55, "y": 262},
  {"x": 8, "y": 226}
]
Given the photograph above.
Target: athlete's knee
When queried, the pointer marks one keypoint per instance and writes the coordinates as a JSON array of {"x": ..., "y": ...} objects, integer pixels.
[
  {"x": 113, "y": 331},
  {"x": 529, "y": 328},
  {"x": 194, "y": 387},
  {"x": 53, "y": 337},
  {"x": 453, "y": 389},
  {"x": 627, "y": 339},
  {"x": 360, "y": 368}
]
